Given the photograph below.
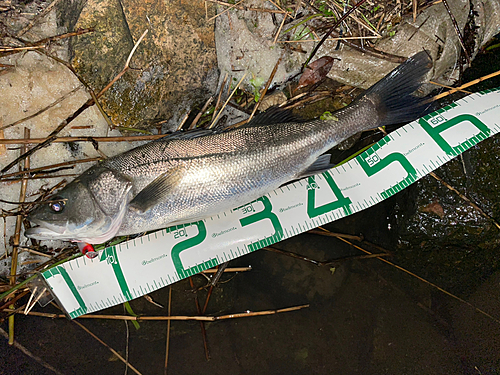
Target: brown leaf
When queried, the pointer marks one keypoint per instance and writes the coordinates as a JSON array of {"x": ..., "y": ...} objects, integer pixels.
[
  {"x": 434, "y": 208},
  {"x": 316, "y": 71}
]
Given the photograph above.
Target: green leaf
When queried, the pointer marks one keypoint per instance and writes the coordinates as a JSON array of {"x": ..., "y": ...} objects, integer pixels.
[{"x": 131, "y": 312}]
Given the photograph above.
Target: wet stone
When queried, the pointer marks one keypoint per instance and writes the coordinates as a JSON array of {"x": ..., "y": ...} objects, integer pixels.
[{"x": 173, "y": 69}]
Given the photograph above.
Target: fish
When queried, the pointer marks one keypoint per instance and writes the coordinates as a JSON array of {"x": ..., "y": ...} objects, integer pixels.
[{"x": 186, "y": 177}]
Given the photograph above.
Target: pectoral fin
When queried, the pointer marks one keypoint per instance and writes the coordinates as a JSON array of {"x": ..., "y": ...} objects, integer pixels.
[
  {"x": 321, "y": 164},
  {"x": 158, "y": 190}
]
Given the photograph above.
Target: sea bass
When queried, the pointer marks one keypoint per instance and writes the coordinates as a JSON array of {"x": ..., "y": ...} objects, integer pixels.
[{"x": 188, "y": 177}]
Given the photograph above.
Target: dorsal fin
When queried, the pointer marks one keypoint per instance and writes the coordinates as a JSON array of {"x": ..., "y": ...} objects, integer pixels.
[
  {"x": 274, "y": 115},
  {"x": 188, "y": 134}
]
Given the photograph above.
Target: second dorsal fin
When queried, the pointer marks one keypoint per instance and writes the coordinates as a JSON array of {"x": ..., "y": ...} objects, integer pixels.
[{"x": 274, "y": 115}]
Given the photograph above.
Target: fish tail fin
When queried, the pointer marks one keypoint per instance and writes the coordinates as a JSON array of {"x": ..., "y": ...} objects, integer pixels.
[{"x": 392, "y": 95}]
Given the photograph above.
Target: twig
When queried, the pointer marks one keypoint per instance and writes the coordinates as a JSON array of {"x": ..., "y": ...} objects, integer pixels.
[
  {"x": 325, "y": 232},
  {"x": 373, "y": 52},
  {"x": 126, "y": 346},
  {"x": 277, "y": 6},
  {"x": 43, "y": 43},
  {"x": 326, "y": 262},
  {"x": 103, "y": 343},
  {"x": 215, "y": 279},
  {"x": 279, "y": 29},
  {"x": 168, "y": 329},
  {"x": 33, "y": 170},
  {"x": 43, "y": 109},
  {"x": 449, "y": 87},
  {"x": 31, "y": 355},
  {"x": 181, "y": 124},
  {"x": 219, "y": 96},
  {"x": 233, "y": 269},
  {"x": 14, "y": 49},
  {"x": 17, "y": 236},
  {"x": 28, "y": 306},
  {"x": 202, "y": 325},
  {"x": 101, "y": 110},
  {"x": 240, "y": 7},
  {"x": 268, "y": 83},
  {"x": 457, "y": 30},
  {"x": 358, "y": 21},
  {"x": 42, "y": 14},
  {"x": 29, "y": 250},
  {"x": 202, "y": 110},
  {"x": 331, "y": 39},
  {"x": 14, "y": 300},
  {"x": 83, "y": 139},
  {"x": 213, "y": 282},
  {"x": 261, "y": 313},
  {"x": 125, "y": 68},
  {"x": 227, "y": 101},
  {"x": 41, "y": 176},
  {"x": 19, "y": 220},
  {"x": 152, "y": 301},
  {"x": 468, "y": 84},
  {"x": 246, "y": 314},
  {"x": 50, "y": 138},
  {"x": 65, "y": 35},
  {"x": 418, "y": 28},
  {"x": 325, "y": 37},
  {"x": 231, "y": 6}
]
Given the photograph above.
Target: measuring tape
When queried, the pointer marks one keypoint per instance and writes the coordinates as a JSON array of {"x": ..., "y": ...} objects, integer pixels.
[{"x": 134, "y": 268}]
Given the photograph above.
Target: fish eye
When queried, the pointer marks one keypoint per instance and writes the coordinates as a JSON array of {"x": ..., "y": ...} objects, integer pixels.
[{"x": 57, "y": 204}]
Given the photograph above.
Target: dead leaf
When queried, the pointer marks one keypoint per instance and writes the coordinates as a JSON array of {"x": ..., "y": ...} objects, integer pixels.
[
  {"x": 316, "y": 71},
  {"x": 434, "y": 208}
]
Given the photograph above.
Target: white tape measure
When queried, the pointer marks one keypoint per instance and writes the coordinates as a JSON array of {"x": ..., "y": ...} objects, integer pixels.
[{"x": 137, "y": 267}]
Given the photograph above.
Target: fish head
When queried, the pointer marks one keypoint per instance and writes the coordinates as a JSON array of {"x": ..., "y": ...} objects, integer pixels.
[{"x": 86, "y": 210}]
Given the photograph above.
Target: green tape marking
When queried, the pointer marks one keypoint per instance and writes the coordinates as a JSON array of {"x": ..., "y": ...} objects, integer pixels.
[
  {"x": 441, "y": 124},
  {"x": 59, "y": 270},
  {"x": 340, "y": 202},
  {"x": 187, "y": 244},
  {"x": 110, "y": 256},
  {"x": 266, "y": 213}
]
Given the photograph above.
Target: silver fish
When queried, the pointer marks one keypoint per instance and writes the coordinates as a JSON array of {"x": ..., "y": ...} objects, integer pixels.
[{"x": 185, "y": 178}]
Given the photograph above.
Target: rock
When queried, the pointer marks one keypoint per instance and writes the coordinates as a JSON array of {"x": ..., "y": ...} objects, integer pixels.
[
  {"x": 174, "y": 67},
  {"x": 245, "y": 44},
  {"x": 35, "y": 83}
]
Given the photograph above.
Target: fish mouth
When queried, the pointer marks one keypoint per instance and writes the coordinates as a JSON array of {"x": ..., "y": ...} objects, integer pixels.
[{"x": 46, "y": 231}]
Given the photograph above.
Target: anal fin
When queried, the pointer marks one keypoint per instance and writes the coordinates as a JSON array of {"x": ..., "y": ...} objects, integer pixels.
[{"x": 321, "y": 164}]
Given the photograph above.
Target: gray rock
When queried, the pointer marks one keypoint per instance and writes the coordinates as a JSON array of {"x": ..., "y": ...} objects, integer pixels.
[{"x": 174, "y": 67}]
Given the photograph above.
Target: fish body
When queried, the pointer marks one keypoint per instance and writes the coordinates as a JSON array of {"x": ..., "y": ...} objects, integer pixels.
[{"x": 185, "y": 178}]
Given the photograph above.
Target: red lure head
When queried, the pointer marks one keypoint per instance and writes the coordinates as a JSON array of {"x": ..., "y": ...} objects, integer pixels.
[{"x": 87, "y": 250}]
